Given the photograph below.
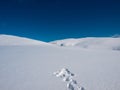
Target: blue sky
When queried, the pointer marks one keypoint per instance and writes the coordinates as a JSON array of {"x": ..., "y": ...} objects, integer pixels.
[{"x": 49, "y": 20}]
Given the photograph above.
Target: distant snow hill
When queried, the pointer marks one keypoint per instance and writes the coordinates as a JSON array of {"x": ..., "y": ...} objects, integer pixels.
[
  {"x": 92, "y": 43},
  {"x": 7, "y": 40},
  {"x": 110, "y": 43}
]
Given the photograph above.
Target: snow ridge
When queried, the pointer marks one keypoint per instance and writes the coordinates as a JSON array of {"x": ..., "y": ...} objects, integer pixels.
[
  {"x": 8, "y": 40},
  {"x": 110, "y": 43}
]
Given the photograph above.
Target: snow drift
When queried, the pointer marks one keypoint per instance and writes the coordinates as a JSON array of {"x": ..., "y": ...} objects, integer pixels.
[{"x": 31, "y": 67}]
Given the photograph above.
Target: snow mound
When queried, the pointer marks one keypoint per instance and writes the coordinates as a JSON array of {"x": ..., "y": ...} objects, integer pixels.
[
  {"x": 8, "y": 40},
  {"x": 92, "y": 43}
]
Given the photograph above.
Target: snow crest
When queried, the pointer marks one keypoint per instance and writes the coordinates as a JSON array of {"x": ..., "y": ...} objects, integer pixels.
[{"x": 8, "y": 40}]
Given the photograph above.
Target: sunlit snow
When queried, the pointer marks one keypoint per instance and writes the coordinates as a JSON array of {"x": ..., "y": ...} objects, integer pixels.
[{"x": 31, "y": 67}]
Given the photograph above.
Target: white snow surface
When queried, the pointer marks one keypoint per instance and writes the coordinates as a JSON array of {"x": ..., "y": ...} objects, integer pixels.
[
  {"x": 31, "y": 67},
  {"x": 16, "y": 40},
  {"x": 90, "y": 42}
]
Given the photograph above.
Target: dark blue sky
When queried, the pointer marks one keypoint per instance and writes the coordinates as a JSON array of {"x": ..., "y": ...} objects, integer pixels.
[{"x": 48, "y": 20}]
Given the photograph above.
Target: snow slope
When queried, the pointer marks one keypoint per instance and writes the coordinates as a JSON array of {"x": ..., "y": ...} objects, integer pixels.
[
  {"x": 93, "y": 43},
  {"x": 31, "y": 67},
  {"x": 15, "y": 40}
]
